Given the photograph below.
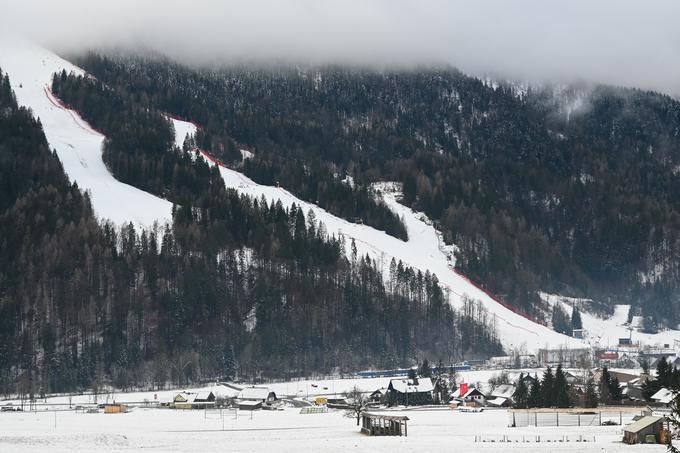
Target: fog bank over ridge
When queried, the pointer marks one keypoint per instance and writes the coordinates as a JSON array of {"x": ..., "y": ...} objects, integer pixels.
[{"x": 622, "y": 42}]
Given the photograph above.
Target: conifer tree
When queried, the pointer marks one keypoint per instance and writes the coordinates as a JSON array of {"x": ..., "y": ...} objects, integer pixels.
[
  {"x": 561, "y": 389},
  {"x": 576, "y": 322},
  {"x": 425, "y": 369},
  {"x": 605, "y": 386},
  {"x": 560, "y": 320},
  {"x": 521, "y": 393},
  {"x": 615, "y": 390},
  {"x": 535, "y": 395},
  {"x": 548, "y": 389}
]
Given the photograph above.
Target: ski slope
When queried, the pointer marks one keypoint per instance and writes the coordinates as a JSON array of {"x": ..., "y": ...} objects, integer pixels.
[
  {"x": 78, "y": 146},
  {"x": 423, "y": 251}
]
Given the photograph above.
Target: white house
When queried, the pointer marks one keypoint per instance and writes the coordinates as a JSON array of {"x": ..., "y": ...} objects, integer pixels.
[
  {"x": 502, "y": 396},
  {"x": 663, "y": 396},
  {"x": 470, "y": 395}
]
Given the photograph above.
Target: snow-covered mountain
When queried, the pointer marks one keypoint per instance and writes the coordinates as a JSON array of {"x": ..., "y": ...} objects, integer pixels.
[{"x": 79, "y": 147}]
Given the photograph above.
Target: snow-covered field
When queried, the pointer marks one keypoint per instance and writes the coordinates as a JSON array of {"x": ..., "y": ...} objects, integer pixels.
[
  {"x": 78, "y": 146},
  {"x": 430, "y": 429},
  {"x": 165, "y": 430}
]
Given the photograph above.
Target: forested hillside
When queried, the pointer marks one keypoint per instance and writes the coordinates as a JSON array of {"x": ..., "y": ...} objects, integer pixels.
[
  {"x": 235, "y": 286},
  {"x": 573, "y": 190}
]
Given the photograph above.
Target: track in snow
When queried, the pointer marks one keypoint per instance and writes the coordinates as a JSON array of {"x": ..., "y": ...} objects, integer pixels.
[{"x": 78, "y": 145}]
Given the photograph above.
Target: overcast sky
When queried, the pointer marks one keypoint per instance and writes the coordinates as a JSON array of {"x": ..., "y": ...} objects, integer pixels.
[{"x": 615, "y": 41}]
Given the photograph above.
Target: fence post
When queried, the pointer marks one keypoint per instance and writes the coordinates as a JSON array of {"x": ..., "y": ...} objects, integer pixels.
[
  {"x": 557, "y": 418},
  {"x": 535, "y": 418},
  {"x": 579, "y": 419}
]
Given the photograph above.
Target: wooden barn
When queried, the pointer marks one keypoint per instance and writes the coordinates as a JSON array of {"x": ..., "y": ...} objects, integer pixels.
[
  {"x": 410, "y": 392},
  {"x": 647, "y": 430}
]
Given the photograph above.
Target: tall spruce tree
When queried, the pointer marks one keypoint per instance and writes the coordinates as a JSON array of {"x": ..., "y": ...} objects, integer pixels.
[
  {"x": 605, "y": 385},
  {"x": 576, "y": 322},
  {"x": 535, "y": 394},
  {"x": 561, "y": 389},
  {"x": 548, "y": 389},
  {"x": 615, "y": 393},
  {"x": 425, "y": 369},
  {"x": 521, "y": 393}
]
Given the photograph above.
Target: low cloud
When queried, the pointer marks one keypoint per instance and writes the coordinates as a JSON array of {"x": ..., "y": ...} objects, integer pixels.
[{"x": 623, "y": 42}]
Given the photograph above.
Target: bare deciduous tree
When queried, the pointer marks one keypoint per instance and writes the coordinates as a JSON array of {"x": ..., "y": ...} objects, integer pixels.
[{"x": 357, "y": 402}]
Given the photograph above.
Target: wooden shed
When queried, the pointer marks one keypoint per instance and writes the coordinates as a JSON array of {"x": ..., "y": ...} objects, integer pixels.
[
  {"x": 646, "y": 430},
  {"x": 115, "y": 408},
  {"x": 384, "y": 425}
]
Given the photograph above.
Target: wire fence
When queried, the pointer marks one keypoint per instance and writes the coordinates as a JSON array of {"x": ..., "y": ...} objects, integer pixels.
[
  {"x": 221, "y": 413},
  {"x": 569, "y": 418},
  {"x": 533, "y": 439}
]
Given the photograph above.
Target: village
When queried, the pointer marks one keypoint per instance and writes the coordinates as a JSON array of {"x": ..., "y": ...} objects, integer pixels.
[{"x": 576, "y": 397}]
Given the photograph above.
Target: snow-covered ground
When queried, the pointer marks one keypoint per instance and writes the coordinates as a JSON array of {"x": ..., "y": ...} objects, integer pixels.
[
  {"x": 165, "y": 430},
  {"x": 55, "y": 428},
  {"x": 606, "y": 332},
  {"x": 78, "y": 146}
]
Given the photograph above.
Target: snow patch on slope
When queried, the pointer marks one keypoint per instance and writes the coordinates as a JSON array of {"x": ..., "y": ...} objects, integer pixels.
[
  {"x": 245, "y": 154},
  {"x": 182, "y": 130},
  {"x": 78, "y": 146}
]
